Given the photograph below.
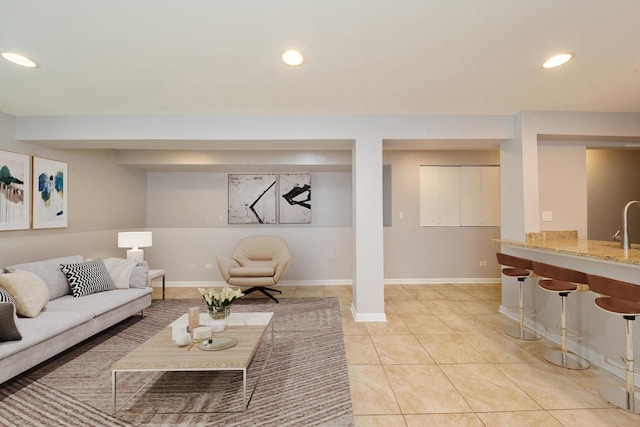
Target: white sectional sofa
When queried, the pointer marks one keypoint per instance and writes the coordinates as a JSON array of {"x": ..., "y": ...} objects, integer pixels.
[{"x": 67, "y": 320}]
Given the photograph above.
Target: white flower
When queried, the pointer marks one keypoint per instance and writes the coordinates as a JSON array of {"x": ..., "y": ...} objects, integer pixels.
[{"x": 220, "y": 298}]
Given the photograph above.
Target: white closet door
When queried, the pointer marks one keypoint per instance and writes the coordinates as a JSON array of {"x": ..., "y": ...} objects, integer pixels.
[
  {"x": 449, "y": 196},
  {"x": 439, "y": 196},
  {"x": 480, "y": 195},
  {"x": 429, "y": 195}
]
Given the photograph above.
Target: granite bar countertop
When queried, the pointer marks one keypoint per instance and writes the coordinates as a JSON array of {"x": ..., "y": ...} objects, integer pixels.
[{"x": 593, "y": 249}]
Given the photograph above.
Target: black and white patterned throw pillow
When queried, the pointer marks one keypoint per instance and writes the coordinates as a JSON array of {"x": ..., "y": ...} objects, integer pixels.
[
  {"x": 5, "y": 297},
  {"x": 88, "y": 277}
]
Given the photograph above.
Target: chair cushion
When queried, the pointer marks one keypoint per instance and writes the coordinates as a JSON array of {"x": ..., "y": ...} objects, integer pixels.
[
  {"x": 516, "y": 272},
  {"x": 553, "y": 285},
  {"x": 252, "y": 272},
  {"x": 257, "y": 263},
  {"x": 618, "y": 306}
]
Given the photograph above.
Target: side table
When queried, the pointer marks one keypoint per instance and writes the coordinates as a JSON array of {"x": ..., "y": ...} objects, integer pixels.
[{"x": 156, "y": 274}]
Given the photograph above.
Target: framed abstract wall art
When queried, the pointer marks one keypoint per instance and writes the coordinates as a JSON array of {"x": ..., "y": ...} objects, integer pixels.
[
  {"x": 295, "y": 198},
  {"x": 50, "y": 193},
  {"x": 15, "y": 187},
  {"x": 252, "y": 198}
]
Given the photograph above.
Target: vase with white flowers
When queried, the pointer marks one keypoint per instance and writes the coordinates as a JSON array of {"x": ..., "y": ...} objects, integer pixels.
[{"x": 219, "y": 301}]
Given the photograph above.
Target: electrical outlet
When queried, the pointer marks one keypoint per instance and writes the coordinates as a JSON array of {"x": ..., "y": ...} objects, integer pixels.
[
  {"x": 192, "y": 266},
  {"x": 547, "y": 216},
  {"x": 208, "y": 266},
  {"x": 483, "y": 263}
]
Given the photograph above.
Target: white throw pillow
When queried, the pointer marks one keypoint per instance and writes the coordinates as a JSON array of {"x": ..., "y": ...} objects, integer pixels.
[{"x": 28, "y": 291}]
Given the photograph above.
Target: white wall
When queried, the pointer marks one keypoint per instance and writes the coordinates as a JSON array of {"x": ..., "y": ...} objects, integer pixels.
[
  {"x": 562, "y": 175},
  {"x": 199, "y": 199},
  {"x": 319, "y": 255},
  {"x": 187, "y": 212},
  {"x": 103, "y": 198},
  {"x": 183, "y": 207},
  {"x": 415, "y": 254}
]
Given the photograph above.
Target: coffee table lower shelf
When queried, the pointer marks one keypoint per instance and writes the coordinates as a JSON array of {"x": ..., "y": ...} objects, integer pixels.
[{"x": 160, "y": 353}]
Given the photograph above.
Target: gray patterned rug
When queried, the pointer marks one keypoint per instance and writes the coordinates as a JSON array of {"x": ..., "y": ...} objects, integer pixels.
[{"x": 304, "y": 382}]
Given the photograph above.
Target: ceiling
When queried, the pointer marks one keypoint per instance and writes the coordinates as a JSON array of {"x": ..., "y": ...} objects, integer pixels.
[{"x": 126, "y": 57}]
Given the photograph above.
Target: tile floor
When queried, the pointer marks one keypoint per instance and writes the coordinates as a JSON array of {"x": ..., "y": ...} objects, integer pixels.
[{"x": 442, "y": 359}]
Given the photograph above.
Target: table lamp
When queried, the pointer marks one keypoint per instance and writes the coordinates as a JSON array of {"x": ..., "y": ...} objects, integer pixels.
[{"x": 134, "y": 240}]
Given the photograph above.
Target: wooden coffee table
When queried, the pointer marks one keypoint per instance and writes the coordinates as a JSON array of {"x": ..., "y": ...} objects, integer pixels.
[{"x": 161, "y": 354}]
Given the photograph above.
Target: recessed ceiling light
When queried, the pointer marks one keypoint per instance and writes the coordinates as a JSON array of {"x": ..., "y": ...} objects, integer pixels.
[
  {"x": 19, "y": 59},
  {"x": 557, "y": 60},
  {"x": 292, "y": 57}
]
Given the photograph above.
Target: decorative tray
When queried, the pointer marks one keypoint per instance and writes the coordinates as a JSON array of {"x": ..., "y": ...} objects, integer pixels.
[{"x": 217, "y": 343}]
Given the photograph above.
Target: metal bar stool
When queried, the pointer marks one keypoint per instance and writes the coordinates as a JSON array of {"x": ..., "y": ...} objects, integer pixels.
[
  {"x": 562, "y": 281},
  {"x": 621, "y": 298},
  {"x": 521, "y": 269}
]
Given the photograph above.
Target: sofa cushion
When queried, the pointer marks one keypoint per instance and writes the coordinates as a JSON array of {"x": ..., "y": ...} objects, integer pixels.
[
  {"x": 87, "y": 278},
  {"x": 28, "y": 291},
  {"x": 8, "y": 329},
  {"x": 49, "y": 271},
  {"x": 97, "y": 304},
  {"x": 40, "y": 329}
]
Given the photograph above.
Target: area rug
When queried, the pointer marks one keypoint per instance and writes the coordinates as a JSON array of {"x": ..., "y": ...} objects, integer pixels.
[{"x": 303, "y": 383}]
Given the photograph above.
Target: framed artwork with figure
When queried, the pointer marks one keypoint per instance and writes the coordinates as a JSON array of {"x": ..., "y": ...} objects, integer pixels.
[
  {"x": 15, "y": 187},
  {"x": 50, "y": 193},
  {"x": 252, "y": 198},
  {"x": 295, "y": 198}
]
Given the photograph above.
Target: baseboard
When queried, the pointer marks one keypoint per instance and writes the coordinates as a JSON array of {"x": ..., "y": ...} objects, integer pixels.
[
  {"x": 367, "y": 317},
  {"x": 341, "y": 282},
  {"x": 441, "y": 280}
]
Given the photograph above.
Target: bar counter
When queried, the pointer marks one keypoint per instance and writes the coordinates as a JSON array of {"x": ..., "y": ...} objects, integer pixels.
[
  {"x": 608, "y": 251},
  {"x": 601, "y": 332}
]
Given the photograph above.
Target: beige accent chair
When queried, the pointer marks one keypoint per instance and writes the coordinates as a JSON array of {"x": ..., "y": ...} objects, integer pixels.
[{"x": 257, "y": 262}]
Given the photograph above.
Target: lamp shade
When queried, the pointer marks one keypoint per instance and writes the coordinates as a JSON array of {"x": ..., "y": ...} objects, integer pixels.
[{"x": 134, "y": 239}]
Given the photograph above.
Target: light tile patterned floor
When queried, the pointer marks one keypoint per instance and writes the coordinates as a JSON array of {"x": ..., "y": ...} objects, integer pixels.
[{"x": 442, "y": 359}]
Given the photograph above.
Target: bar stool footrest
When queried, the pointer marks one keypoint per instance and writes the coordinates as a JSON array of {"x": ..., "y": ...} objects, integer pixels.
[
  {"x": 568, "y": 360},
  {"x": 571, "y": 333},
  {"x": 618, "y": 363},
  {"x": 618, "y": 397},
  {"x": 521, "y": 334},
  {"x": 527, "y": 311}
]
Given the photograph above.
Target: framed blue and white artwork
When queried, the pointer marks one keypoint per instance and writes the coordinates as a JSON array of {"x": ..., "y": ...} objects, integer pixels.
[
  {"x": 15, "y": 187},
  {"x": 50, "y": 193}
]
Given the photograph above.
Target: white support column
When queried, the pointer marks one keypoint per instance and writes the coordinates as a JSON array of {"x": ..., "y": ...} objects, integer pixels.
[
  {"x": 368, "y": 243},
  {"x": 519, "y": 181}
]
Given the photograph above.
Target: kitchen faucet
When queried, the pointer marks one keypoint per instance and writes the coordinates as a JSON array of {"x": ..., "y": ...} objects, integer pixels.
[{"x": 625, "y": 230}]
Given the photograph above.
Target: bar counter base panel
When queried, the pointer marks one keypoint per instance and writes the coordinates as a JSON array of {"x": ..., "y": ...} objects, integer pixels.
[
  {"x": 619, "y": 397},
  {"x": 568, "y": 360}
]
